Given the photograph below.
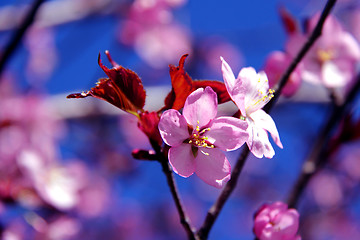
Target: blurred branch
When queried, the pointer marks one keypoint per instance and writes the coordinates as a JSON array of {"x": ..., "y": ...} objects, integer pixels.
[
  {"x": 230, "y": 186},
  {"x": 319, "y": 154},
  {"x": 16, "y": 39},
  {"x": 316, "y": 33}
]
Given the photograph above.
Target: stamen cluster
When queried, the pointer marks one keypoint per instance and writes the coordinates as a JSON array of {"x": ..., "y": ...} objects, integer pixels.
[{"x": 197, "y": 138}]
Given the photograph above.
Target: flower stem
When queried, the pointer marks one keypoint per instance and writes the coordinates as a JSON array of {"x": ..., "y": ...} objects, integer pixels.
[
  {"x": 184, "y": 219},
  {"x": 214, "y": 211},
  {"x": 16, "y": 39},
  {"x": 319, "y": 154}
]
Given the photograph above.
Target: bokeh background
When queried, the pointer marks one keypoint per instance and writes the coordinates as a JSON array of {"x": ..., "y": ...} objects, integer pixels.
[{"x": 66, "y": 170}]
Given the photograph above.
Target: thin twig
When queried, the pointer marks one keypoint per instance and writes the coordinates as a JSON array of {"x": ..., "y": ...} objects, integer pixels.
[
  {"x": 319, "y": 154},
  {"x": 164, "y": 161},
  {"x": 229, "y": 187},
  {"x": 184, "y": 219},
  {"x": 16, "y": 39}
]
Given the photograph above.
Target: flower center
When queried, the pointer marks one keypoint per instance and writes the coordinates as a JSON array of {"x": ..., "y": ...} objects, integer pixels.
[
  {"x": 260, "y": 100},
  {"x": 324, "y": 55},
  {"x": 198, "y": 140}
]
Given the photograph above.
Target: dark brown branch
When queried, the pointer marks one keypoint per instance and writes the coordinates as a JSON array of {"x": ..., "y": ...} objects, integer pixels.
[
  {"x": 319, "y": 154},
  {"x": 184, "y": 219},
  {"x": 164, "y": 161},
  {"x": 16, "y": 39},
  {"x": 229, "y": 187},
  {"x": 225, "y": 194}
]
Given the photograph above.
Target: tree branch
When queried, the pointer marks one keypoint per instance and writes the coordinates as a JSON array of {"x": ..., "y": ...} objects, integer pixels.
[
  {"x": 229, "y": 187},
  {"x": 316, "y": 33},
  {"x": 184, "y": 219},
  {"x": 214, "y": 211},
  {"x": 164, "y": 161},
  {"x": 319, "y": 154},
  {"x": 15, "y": 40}
]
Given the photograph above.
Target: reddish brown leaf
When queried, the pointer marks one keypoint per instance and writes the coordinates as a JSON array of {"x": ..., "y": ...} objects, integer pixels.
[
  {"x": 183, "y": 85},
  {"x": 127, "y": 81},
  {"x": 288, "y": 20},
  {"x": 123, "y": 88}
]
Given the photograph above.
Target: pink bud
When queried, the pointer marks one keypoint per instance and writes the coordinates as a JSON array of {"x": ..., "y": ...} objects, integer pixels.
[{"x": 276, "y": 222}]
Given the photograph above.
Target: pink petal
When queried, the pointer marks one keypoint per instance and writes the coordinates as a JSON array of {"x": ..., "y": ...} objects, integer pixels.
[
  {"x": 275, "y": 65},
  {"x": 181, "y": 160},
  {"x": 257, "y": 86},
  {"x": 349, "y": 47},
  {"x": 200, "y": 107},
  {"x": 260, "y": 223},
  {"x": 233, "y": 86},
  {"x": 288, "y": 223},
  {"x": 212, "y": 166},
  {"x": 276, "y": 208},
  {"x": 332, "y": 76},
  {"x": 294, "y": 43},
  {"x": 228, "y": 133},
  {"x": 258, "y": 142},
  {"x": 264, "y": 120},
  {"x": 173, "y": 127},
  {"x": 312, "y": 71}
]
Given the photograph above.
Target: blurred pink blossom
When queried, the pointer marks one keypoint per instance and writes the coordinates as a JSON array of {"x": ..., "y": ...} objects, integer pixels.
[
  {"x": 53, "y": 182},
  {"x": 40, "y": 43},
  {"x": 326, "y": 189},
  {"x": 349, "y": 160},
  {"x": 276, "y": 222},
  {"x": 275, "y": 65},
  {"x": 250, "y": 92},
  {"x": 62, "y": 227},
  {"x": 332, "y": 59},
  {"x": 151, "y": 29},
  {"x": 197, "y": 136}
]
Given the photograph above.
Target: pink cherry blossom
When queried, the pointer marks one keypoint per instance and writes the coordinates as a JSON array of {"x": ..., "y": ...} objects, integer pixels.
[
  {"x": 197, "y": 137},
  {"x": 332, "y": 59},
  {"x": 153, "y": 31},
  {"x": 276, "y": 222},
  {"x": 250, "y": 92},
  {"x": 275, "y": 65}
]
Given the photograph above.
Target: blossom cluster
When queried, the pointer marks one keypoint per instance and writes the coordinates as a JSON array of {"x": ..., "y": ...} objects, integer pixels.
[{"x": 197, "y": 136}]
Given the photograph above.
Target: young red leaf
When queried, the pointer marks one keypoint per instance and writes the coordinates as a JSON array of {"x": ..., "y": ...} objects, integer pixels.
[
  {"x": 123, "y": 88},
  {"x": 288, "y": 20},
  {"x": 183, "y": 85}
]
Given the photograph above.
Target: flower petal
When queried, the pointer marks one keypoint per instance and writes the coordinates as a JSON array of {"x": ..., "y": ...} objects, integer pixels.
[
  {"x": 233, "y": 86},
  {"x": 263, "y": 120},
  {"x": 212, "y": 166},
  {"x": 227, "y": 133},
  {"x": 181, "y": 160},
  {"x": 258, "y": 142},
  {"x": 173, "y": 127},
  {"x": 288, "y": 222},
  {"x": 336, "y": 73},
  {"x": 257, "y": 87},
  {"x": 200, "y": 107}
]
